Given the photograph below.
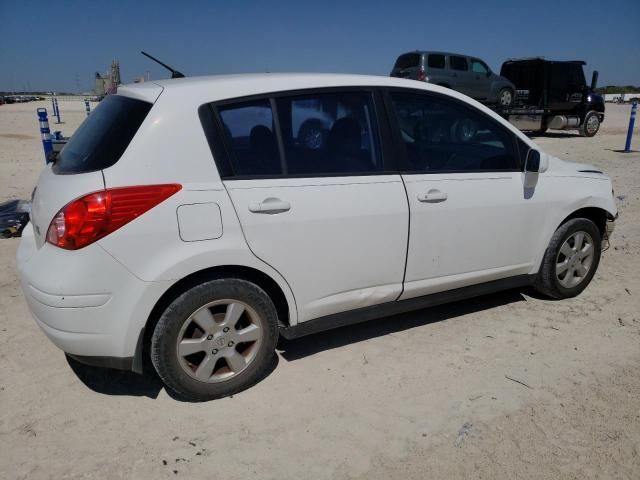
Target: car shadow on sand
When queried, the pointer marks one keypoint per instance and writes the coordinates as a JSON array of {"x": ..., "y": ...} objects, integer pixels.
[
  {"x": 112, "y": 382},
  {"x": 108, "y": 381},
  {"x": 533, "y": 135},
  {"x": 303, "y": 347},
  {"x": 117, "y": 382}
]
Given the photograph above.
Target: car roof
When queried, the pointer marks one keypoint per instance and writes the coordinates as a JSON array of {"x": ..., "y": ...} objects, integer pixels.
[
  {"x": 542, "y": 59},
  {"x": 195, "y": 91},
  {"x": 436, "y": 52},
  {"x": 213, "y": 88}
]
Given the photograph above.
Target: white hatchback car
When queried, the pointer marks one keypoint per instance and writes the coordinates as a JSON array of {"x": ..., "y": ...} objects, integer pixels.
[{"x": 193, "y": 221}]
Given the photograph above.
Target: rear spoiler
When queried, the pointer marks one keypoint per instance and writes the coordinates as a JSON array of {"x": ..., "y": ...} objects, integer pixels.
[{"x": 147, "y": 91}]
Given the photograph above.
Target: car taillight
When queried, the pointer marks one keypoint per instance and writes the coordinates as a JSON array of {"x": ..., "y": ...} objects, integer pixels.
[
  {"x": 421, "y": 74},
  {"x": 93, "y": 216}
]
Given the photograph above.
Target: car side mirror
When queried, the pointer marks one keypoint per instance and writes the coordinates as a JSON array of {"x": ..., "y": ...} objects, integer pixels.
[{"x": 532, "y": 164}]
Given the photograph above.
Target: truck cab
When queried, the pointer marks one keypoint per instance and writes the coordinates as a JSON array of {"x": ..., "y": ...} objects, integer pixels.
[{"x": 553, "y": 94}]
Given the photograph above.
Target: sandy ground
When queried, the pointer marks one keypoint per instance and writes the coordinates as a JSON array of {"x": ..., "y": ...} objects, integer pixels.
[{"x": 430, "y": 394}]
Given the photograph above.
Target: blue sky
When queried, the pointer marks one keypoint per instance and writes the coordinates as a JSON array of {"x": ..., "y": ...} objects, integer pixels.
[{"x": 45, "y": 45}]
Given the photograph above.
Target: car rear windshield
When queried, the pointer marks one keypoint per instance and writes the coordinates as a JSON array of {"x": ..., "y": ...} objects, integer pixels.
[
  {"x": 103, "y": 137},
  {"x": 408, "y": 60}
]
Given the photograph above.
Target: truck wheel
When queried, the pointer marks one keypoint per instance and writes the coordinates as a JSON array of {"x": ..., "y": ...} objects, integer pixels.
[
  {"x": 215, "y": 339},
  {"x": 590, "y": 125},
  {"x": 505, "y": 97},
  {"x": 571, "y": 259}
]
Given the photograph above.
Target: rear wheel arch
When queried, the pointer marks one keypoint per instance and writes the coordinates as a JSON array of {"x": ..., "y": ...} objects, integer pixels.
[{"x": 261, "y": 279}]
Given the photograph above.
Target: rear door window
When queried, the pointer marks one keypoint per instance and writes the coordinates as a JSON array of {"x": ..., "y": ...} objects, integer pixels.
[
  {"x": 458, "y": 63},
  {"x": 251, "y": 139},
  {"x": 103, "y": 137},
  {"x": 435, "y": 61}
]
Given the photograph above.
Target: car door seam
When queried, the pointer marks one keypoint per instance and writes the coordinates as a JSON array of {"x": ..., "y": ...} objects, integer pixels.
[{"x": 406, "y": 253}]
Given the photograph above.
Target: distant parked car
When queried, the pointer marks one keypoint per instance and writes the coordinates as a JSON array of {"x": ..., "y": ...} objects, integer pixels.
[{"x": 468, "y": 75}]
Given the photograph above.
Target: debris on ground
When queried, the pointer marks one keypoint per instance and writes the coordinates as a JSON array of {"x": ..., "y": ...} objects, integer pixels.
[
  {"x": 463, "y": 433},
  {"x": 518, "y": 381},
  {"x": 14, "y": 216}
]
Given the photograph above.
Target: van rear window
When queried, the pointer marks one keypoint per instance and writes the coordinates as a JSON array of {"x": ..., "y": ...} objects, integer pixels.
[
  {"x": 103, "y": 137},
  {"x": 408, "y": 60}
]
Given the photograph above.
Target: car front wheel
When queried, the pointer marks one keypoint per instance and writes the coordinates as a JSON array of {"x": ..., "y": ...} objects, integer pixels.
[
  {"x": 590, "y": 125},
  {"x": 215, "y": 339},
  {"x": 571, "y": 259}
]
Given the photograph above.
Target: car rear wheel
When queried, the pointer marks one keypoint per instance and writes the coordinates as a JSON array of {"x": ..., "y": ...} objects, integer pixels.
[
  {"x": 215, "y": 339},
  {"x": 571, "y": 260},
  {"x": 505, "y": 97}
]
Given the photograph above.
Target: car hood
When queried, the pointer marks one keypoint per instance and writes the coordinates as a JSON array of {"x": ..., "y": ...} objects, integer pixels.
[{"x": 574, "y": 169}]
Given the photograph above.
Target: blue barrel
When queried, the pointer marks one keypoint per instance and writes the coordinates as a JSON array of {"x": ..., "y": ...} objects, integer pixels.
[
  {"x": 632, "y": 121},
  {"x": 45, "y": 133},
  {"x": 87, "y": 107}
]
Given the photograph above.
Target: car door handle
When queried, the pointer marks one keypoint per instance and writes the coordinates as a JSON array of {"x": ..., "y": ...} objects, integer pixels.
[
  {"x": 432, "y": 196},
  {"x": 270, "y": 206}
]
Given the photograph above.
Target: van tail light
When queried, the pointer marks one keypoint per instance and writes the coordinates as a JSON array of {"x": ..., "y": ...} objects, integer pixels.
[
  {"x": 95, "y": 215},
  {"x": 421, "y": 74}
]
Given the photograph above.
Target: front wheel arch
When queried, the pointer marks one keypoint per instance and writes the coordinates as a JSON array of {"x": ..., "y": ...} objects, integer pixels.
[{"x": 599, "y": 216}]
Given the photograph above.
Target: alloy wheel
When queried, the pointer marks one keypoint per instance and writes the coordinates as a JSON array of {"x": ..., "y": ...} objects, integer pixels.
[
  {"x": 575, "y": 259},
  {"x": 219, "y": 340},
  {"x": 505, "y": 98},
  {"x": 593, "y": 123}
]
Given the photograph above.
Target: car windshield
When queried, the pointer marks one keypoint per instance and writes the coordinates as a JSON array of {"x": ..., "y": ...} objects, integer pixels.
[{"x": 103, "y": 137}]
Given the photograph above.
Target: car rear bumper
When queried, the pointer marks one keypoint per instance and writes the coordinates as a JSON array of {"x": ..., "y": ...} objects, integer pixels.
[{"x": 85, "y": 301}]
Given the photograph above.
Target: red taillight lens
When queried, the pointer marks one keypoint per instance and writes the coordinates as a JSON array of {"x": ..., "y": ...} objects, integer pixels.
[{"x": 89, "y": 218}]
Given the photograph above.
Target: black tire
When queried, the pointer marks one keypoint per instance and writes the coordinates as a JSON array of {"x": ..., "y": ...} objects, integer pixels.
[
  {"x": 164, "y": 350},
  {"x": 543, "y": 127},
  {"x": 504, "y": 91},
  {"x": 548, "y": 282},
  {"x": 590, "y": 125}
]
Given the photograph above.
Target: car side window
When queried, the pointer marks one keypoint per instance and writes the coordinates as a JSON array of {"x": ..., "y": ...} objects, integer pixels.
[
  {"x": 435, "y": 61},
  {"x": 443, "y": 135},
  {"x": 458, "y": 63},
  {"x": 251, "y": 139},
  {"x": 479, "y": 67},
  {"x": 329, "y": 133}
]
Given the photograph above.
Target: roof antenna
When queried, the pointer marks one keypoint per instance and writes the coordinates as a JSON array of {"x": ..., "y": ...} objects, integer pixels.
[{"x": 174, "y": 73}]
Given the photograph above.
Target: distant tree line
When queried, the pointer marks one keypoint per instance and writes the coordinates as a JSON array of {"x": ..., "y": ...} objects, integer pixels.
[{"x": 616, "y": 89}]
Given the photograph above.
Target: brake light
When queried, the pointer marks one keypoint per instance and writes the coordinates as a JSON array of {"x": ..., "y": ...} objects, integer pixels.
[
  {"x": 96, "y": 215},
  {"x": 421, "y": 74}
]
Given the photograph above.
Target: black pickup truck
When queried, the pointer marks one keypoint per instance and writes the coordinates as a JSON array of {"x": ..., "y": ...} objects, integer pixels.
[{"x": 552, "y": 94}]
